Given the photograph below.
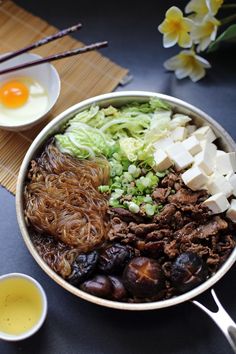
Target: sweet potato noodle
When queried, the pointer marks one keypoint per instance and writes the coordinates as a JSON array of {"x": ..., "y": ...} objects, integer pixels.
[{"x": 62, "y": 200}]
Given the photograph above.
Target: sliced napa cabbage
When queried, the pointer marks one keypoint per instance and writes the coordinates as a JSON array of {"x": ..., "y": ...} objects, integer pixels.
[
  {"x": 82, "y": 141},
  {"x": 163, "y": 124},
  {"x": 136, "y": 150}
]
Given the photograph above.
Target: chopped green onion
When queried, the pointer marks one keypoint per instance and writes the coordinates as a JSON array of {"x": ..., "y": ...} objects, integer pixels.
[
  {"x": 132, "y": 169},
  {"x": 133, "y": 207},
  {"x": 162, "y": 174},
  {"x": 150, "y": 209},
  {"x": 104, "y": 188}
]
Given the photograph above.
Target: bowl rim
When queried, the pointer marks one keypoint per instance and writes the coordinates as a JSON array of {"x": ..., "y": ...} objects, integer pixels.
[
  {"x": 67, "y": 114},
  {"x": 39, "y": 117}
]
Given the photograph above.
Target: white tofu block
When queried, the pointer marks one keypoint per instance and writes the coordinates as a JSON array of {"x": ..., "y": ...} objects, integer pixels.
[
  {"x": 191, "y": 128},
  {"x": 162, "y": 160},
  {"x": 194, "y": 178},
  {"x": 163, "y": 143},
  {"x": 205, "y": 159},
  {"x": 219, "y": 184},
  {"x": 231, "y": 178},
  {"x": 225, "y": 162},
  {"x": 231, "y": 212},
  {"x": 205, "y": 133},
  {"x": 179, "y": 155},
  {"x": 179, "y": 134},
  {"x": 192, "y": 144},
  {"x": 220, "y": 153},
  {"x": 217, "y": 203},
  {"x": 180, "y": 119}
]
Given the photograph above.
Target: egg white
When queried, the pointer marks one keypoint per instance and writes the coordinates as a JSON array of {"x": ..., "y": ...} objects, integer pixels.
[{"x": 35, "y": 106}]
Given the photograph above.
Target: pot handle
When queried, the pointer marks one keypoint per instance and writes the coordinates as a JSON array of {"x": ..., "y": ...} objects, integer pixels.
[{"x": 222, "y": 319}]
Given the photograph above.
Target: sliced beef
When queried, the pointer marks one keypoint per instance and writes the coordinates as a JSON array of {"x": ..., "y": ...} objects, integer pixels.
[
  {"x": 170, "y": 180},
  {"x": 126, "y": 215},
  {"x": 186, "y": 196},
  {"x": 158, "y": 235},
  {"x": 165, "y": 215},
  {"x": 143, "y": 229},
  {"x": 160, "y": 194}
]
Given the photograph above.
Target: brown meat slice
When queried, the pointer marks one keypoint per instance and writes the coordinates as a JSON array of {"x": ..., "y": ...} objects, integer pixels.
[
  {"x": 197, "y": 212},
  {"x": 170, "y": 180},
  {"x": 158, "y": 235},
  {"x": 193, "y": 232},
  {"x": 142, "y": 229},
  {"x": 186, "y": 196},
  {"x": 118, "y": 228},
  {"x": 160, "y": 194},
  {"x": 127, "y": 215},
  {"x": 165, "y": 215},
  {"x": 171, "y": 249},
  {"x": 152, "y": 249}
]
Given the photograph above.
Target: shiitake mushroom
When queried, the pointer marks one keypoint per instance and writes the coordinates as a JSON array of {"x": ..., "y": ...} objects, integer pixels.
[
  {"x": 83, "y": 267},
  {"x": 114, "y": 258},
  {"x": 100, "y": 286},
  {"x": 108, "y": 287},
  {"x": 143, "y": 277},
  {"x": 188, "y": 271}
]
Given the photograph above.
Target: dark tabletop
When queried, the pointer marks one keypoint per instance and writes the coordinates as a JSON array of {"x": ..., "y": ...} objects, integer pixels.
[{"x": 74, "y": 326}]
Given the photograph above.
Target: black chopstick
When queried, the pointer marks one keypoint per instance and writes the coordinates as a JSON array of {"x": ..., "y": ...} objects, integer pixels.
[
  {"x": 42, "y": 41},
  {"x": 53, "y": 57}
]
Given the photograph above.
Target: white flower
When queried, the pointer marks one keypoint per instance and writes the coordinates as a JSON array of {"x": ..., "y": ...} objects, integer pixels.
[
  {"x": 176, "y": 28},
  {"x": 214, "y": 5},
  {"x": 199, "y": 7},
  {"x": 205, "y": 32},
  {"x": 187, "y": 63}
]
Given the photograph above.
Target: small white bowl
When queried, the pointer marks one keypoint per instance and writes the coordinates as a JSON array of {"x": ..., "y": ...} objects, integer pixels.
[
  {"x": 44, "y": 74},
  {"x": 15, "y": 301}
]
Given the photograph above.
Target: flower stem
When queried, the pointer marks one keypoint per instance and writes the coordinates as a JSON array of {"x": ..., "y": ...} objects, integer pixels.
[
  {"x": 228, "y": 19},
  {"x": 228, "y": 6}
]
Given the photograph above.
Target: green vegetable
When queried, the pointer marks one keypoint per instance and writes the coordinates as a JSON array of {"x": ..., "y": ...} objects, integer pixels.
[
  {"x": 103, "y": 188},
  {"x": 84, "y": 141},
  {"x": 150, "y": 209},
  {"x": 133, "y": 207}
]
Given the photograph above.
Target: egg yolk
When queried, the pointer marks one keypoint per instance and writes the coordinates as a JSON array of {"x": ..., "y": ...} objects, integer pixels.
[{"x": 14, "y": 94}]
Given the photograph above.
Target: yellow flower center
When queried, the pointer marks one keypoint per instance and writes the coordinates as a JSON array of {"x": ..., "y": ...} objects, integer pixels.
[
  {"x": 188, "y": 60},
  {"x": 209, "y": 28}
]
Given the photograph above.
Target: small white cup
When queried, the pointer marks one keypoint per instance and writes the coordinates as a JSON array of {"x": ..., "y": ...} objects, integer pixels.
[
  {"x": 46, "y": 74},
  {"x": 36, "y": 326}
]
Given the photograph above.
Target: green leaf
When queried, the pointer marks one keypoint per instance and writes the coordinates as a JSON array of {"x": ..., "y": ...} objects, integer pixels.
[{"x": 229, "y": 35}]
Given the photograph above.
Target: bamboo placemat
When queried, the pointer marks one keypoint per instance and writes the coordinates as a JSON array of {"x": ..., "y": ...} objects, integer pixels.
[{"x": 81, "y": 77}]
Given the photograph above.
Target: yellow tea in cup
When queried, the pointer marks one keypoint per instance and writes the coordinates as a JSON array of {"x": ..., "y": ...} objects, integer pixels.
[{"x": 21, "y": 306}]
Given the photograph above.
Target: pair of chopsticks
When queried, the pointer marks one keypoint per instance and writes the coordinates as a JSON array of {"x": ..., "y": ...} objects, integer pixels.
[{"x": 53, "y": 57}]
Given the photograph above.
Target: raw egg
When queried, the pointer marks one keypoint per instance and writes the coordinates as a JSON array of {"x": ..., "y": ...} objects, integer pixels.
[{"x": 22, "y": 99}]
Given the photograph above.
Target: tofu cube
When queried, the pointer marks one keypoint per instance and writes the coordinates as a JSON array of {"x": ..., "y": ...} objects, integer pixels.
[
  {"x": 180, "y": 119},
  {"x": 205, "y": 133},
  {"x": 179, "y": 134},
  {"x": 194, "y": 178},
  {"x": 163, "y": 143},
  {"x": 231, "y": 178},
  {"x": 191, "y": 128},
  {"x": 162, "y": 160},
  {"x": 231, "y": 212},
  {"x": 179, "y": 155},
  {"x": 192, "y": 144},
  {"x": 217, "y": 203},
  {"x": 225, "y": 162},
  {"x": 219, "y": 184},
  {"x": 205, "y": 159}
]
